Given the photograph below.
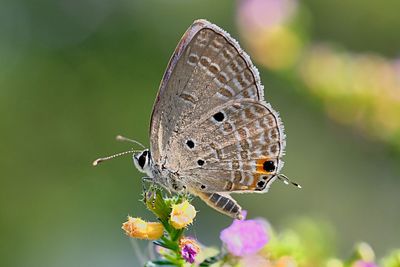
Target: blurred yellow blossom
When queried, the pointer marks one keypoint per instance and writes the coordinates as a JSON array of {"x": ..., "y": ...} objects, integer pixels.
[
  {"x": 334, "y": 263},
  {"x": 254, "y": 260},
  {"x": 182, "y": 215},
  {"x": 276, "y": 48},
  {"x": 285, "y": 261},
  {"x": 365, "y": 252},
  {"x": 360, "y": 90},
  {"x": 138, "y": 228},
  {"x": 265, "y": 26}
]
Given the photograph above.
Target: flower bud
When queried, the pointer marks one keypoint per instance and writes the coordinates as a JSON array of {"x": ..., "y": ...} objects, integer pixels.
[
  {"x": 138, "y": 228},
  {"x": 157, "y": 204}
]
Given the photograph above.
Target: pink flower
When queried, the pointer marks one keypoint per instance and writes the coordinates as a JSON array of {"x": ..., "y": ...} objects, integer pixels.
[
  {"x": 189, "y": 249},
  {"x": 265, "y": 13},
  {"x": 362, "y": 263},
  {"x": 255, "y": 260},
  {"x": 245, "y": 237}
]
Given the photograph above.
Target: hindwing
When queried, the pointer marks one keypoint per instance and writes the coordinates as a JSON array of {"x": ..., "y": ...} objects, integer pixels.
[{"x": 236, "y": 147}]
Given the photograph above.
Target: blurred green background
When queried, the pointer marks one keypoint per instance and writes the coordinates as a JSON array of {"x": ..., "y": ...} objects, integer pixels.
[{"x": 74, "y": 74}]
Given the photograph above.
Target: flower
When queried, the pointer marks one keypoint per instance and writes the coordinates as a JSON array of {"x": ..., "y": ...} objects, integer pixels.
[
  {"x": 285, "y": 261},
  {"x": 254, "y": 260},
  {"x": 245, "y": 237},
  {"x": 189, "y": 249},
  {"x": 393, "y": 259},
  {"x": 138, "y": 228},
  {"x": 182, "y": 215},
  {"x": 266, "y": 27},
  {"x": 362, "y": 263},
  {"x": 265, "y": 13}
]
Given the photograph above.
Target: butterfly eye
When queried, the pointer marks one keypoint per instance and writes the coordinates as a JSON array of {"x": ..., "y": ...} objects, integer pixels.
[
  {"x": 219, "y": 116},
  {"x": 142, "y": 159},
  {"x": 269, "y": 166}
]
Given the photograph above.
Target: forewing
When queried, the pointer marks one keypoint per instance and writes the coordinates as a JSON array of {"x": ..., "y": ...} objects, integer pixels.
[
  {"x": 207, "y": 69},
  {"x": 239, "y": 151}
]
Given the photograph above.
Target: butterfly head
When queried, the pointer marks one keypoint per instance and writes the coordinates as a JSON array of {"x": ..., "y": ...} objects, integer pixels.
[{"x": 142, "y": 161}]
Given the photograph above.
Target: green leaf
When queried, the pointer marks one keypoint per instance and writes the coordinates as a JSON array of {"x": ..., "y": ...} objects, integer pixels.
[
  {"x": 177, "y": 234},
  {"x": 164, "y": 245},
  {"x": 171, "y": 245}
]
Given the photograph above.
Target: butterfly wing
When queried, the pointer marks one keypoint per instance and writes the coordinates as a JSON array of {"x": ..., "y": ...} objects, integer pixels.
[
  {"x": 210, "y": 124},
  {"x": 239, "y": 151},
  {"x": 235, "y": 147},
  {"x": 207, "y": 69}
]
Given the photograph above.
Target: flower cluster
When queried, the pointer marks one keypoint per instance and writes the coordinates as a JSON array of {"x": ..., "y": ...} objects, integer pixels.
[
  {"x": 174, "y": 215},
  {"x": 247, "y": 242}
]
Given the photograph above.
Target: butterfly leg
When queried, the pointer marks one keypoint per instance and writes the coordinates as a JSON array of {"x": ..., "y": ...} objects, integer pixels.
[
  {"x": 153, "y": 184},
  {"x": 145, "y": 180},
  {"x": 223, "y": 203}
]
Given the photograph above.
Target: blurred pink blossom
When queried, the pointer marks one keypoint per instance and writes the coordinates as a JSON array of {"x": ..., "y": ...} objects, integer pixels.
[
  {"x": 265, "y": 13},
  {"x": 362, "y": 263},
  {"x": 245, "y": 237}
]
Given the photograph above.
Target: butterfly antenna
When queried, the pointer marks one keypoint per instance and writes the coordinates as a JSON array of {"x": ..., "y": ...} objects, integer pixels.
[
  {"x": 99, "y": 160},
  {"x": 286, "y": 180},
  {"x": 125, "y": 139}
]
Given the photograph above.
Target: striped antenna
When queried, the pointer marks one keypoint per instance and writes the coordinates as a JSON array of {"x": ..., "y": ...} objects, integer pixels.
[
  {"x": 286, "y": 180},
  {"x": 125, "y": 139},
  {"x": 99, "y": 160}
]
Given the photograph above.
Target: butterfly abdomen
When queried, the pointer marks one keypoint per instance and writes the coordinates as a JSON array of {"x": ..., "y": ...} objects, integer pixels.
[{"x": 223, "y": 203}]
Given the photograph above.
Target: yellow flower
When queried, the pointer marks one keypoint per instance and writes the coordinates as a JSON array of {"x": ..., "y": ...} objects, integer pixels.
[
  {"x": 138, "y": 228},
  {"x": 182, "y": 215},
  {"x": 286, "y": 261}
]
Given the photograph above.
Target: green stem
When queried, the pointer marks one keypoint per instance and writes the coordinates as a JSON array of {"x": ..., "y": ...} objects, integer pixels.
[
  {"x": 171, "y": 245},
  {"x": 177, "y": 234}
]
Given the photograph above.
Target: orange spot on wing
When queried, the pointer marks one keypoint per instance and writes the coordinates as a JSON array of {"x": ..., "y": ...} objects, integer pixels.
[
  {"x": 259, "y": 171},
  {"x": 260, "y": 166},
  {"x": 255, "y": 181}
]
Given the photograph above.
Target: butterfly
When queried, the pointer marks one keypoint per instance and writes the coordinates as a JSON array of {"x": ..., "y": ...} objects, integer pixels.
[{"x": 211, "y": 132}]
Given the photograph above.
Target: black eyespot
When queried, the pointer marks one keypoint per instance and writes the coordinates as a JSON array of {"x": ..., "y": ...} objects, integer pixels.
[
  {"x": 200, "y": 162},
  {"x": 142, "y": 159},
  {"x": 203, "y": 186},
  {"x": 190, "y": 143},
  {"x": 269, "y": 166},
  {"x": 219, "y": 116},
  {"x": 261, "y": 184}
]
